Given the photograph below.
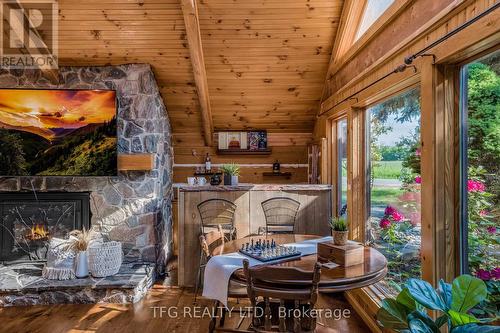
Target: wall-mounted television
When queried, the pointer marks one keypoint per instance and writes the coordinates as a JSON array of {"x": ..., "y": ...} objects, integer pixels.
[{"x": 58, "y": 132}]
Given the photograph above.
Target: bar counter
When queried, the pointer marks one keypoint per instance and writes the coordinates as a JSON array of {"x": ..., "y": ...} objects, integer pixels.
[{"x": 312, "y": 218}]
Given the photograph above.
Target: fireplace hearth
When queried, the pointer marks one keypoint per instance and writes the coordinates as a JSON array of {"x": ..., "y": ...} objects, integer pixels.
[{"x": 29, "y": 220}]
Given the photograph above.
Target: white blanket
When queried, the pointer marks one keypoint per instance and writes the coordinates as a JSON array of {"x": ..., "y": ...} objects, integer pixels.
[{"x": 220, "y": 268}]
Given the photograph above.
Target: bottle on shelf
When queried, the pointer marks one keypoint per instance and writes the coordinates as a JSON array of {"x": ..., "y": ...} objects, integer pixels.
[
  {"x": 276, "y": 167},
  {"x": 208, "y": 164}
]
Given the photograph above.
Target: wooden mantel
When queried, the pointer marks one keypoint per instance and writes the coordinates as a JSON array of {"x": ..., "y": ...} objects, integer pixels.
[{"x": 135, "y": 162}]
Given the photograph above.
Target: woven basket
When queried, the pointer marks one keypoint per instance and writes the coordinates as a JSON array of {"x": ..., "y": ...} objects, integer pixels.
[{"x": 105, "y": 259}]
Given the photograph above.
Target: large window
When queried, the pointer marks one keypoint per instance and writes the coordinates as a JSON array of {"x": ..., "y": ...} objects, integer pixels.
[
  {"x": 341, "y": 159},
  {"x": 393, "y": 185},
  {"x": 480, "y": 170},
  {"x": 373, "y": 10}
]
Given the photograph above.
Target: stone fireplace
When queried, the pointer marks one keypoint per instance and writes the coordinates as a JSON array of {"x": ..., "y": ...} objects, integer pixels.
[
  {"x": 135, "y": 207},
  {"x": 29, "y": 220}
]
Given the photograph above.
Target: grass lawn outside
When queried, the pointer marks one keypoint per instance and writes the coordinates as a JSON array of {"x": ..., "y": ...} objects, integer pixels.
[
  {"x": 384, "y": 195},
  {"x": 387, "y": 169}
]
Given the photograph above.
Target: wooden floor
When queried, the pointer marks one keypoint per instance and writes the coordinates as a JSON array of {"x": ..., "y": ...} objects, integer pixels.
[{"x": 141, "y": 318}]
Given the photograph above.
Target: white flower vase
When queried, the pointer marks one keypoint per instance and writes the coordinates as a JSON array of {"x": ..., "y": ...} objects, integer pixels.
[
  {"x": 81, "y": 265},
  {"x": 234, "y": 180}
]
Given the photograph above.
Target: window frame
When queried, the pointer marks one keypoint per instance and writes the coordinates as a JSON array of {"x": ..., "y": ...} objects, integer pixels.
[
  {"x": 338, "y": 177},
  {"x": 462, "y": 123},
  {"x": 333, "y": 170},
  {"x": 345, "y": 46}
]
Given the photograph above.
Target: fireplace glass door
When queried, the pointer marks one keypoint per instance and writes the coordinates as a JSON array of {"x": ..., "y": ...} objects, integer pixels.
[{"x": 28, "y": 222}]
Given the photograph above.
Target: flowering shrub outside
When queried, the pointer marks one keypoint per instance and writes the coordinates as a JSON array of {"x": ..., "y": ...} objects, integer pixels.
[
  {"x": 484, "y": 260},
  {"x": 399, "y": 228}
]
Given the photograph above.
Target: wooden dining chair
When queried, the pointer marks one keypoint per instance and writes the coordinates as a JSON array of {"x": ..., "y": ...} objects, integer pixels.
[
  {"x": 215, "y": 212},
  {"x": 280, "y": 214},
  {"x": 209, "y": 242},
  {"x": 270, "y": 288}
]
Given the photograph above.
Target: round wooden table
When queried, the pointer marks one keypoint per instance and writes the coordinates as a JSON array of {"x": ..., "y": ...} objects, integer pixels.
[{"x": 336, "y": 279}]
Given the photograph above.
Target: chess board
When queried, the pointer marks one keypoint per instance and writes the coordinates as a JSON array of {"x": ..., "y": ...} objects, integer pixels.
[{"x": 269, "y": 252}]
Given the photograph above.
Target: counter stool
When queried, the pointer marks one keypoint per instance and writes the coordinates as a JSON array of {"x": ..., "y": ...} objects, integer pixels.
[
  {"x": 215, "y": 212},
  {"x": 280, "y": 214}
]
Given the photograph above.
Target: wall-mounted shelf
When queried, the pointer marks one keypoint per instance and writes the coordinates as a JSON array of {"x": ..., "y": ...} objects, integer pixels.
[
  {"x": 244, "y": 152},
  {"x": 287, "y": 175},
  {"x": 135, "y": 162},
  {"x": 207, "y": 173}
]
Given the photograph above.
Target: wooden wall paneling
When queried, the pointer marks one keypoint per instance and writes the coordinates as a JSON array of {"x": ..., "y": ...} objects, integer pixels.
[
  {"x": 324, "y": 161},
  {"x": 440, "y": 171},
  {"x": 353, "y": 47},
  {"x": 189, "y": 224},
  {"x": 349, "y": 24},
  {"x": 323, "y": 213},
  {"x": 431, "y": 120},
  {"x": 242, "y": 217},
  {"x": 356, "y": 201}
]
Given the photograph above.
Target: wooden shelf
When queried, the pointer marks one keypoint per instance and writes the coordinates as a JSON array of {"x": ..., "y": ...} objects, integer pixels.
[
  {"x": 243, "y": 152},
  {"x": 288, "y": 175},
  {"x": 135, "y": 162},
  {"x": 207, "y": 173}
]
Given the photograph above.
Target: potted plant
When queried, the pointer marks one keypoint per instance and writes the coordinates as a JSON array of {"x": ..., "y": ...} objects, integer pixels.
[
  {"x": 79, "y": 241},
  {"x": 231, "y": 172},
  {"x": 339, "y": 230},
  {"x": 408, "y": 312}
]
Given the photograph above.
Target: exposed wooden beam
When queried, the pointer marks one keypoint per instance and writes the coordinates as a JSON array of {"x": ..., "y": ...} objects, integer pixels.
[{"x": 191, "y": 20}]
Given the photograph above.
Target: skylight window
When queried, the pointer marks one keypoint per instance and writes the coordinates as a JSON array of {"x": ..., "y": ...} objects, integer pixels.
[{"x": 373, "y": 10}]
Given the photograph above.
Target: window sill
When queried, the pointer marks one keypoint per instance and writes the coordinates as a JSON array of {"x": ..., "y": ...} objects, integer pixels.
[{"x": 366, "y": 302}]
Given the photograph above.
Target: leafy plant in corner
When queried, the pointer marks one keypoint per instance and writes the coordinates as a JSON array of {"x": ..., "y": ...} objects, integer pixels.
[{"x": 408, "y": 311}]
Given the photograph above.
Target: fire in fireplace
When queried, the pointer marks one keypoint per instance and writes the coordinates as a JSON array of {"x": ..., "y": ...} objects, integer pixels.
[
  {"x": 38, "y": 232},
  {"x": 29, "y": 221}
]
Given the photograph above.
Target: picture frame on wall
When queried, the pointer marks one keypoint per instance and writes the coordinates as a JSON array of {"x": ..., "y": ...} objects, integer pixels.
[{"x": 242, "y": 142}]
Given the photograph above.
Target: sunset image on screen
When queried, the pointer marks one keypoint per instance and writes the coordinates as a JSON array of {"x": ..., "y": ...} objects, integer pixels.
[{"x": 58, "y": 132}]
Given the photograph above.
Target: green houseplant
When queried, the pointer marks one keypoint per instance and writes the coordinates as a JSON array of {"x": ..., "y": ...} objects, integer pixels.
[
  {"x": 408, "y": 311},
  {"x": 339, "y": 230},
  {"x": 231, "y": 172}
]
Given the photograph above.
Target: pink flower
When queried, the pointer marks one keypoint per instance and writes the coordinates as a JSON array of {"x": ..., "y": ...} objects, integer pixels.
[
  {"x": 418, "y": 180},
  {"x": 495, "y": 273},
  {"x": 385, "y": 223},
  {"x": 483, "y": 275},
  {"x": 475, "y": 186},
  {"x": 397, "y": 216},
  {"x": 389, "y": 210},
  {"x": 492, "y": 230},
  {"x": 417, "y": 152},
  {"x": 415, "y": 218},
  {"x": 483, "y": 213}
]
